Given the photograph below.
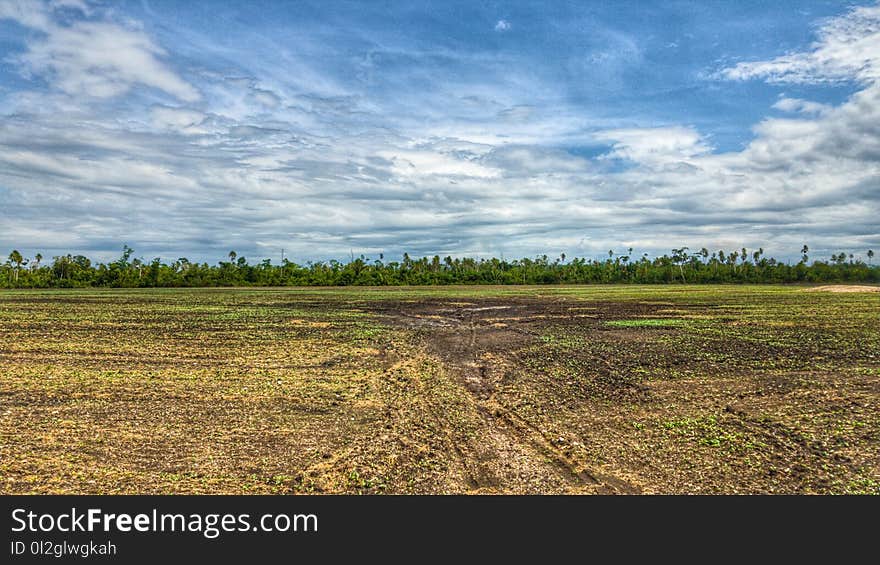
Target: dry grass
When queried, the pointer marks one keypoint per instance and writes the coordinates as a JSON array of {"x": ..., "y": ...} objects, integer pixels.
[{"x": 843, "y": 288}]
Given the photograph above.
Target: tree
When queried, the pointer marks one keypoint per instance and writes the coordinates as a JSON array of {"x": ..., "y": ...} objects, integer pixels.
[
  {"x": 804, "y": 252},
  {"x": 703, "y": 267},
  {"x": 127, "y": 252},
  {"x": 232, "y": 256},
  {"x": 16, "y": 259},
  {"x": 679, "y": 256}
]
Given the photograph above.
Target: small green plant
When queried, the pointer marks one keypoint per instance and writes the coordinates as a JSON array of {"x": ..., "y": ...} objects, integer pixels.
[
  {"x": 646, "y": 323},
  {"x": 707, "y": 431}
]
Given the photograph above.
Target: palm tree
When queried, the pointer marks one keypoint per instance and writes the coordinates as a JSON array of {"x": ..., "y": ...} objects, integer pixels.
[
  {"x": 36, "y": 264},
  {"x": 127, "y": 252},
  {"x": 870, "y": 255},
  {"x": 804, "y": 252},
  {"x": 16, "y": 259},
  {"x": 679, "y": 257},
  {"x": 232, "y": 256}
]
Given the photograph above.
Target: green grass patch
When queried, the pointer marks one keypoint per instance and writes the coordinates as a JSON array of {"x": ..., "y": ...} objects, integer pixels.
[{"x": 647, "y": 323}]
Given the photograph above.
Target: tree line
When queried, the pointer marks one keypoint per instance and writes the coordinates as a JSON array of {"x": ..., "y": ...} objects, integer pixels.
[{"x": 681, "y": 265}]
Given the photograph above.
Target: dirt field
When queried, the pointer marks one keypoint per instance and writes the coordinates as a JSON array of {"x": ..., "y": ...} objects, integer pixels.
[
  {"x": 440, "y": 390},
  {"x": 843, "y": 288}
]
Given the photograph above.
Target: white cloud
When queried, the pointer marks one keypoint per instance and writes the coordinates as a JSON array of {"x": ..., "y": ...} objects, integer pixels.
[
  {"x": 265, "y": 98},
  {"x": 502, "y": 25},
  {"x": 518, "y": 113},
  {"x": 534, "y": 161},
  {"x": 801, "y": 106},
  {"x": 93, "y": 58},
  {"x": 427, "y": 163},
  {"x": 654, "y": 146},
  {"x": 848, "y": 48},
  {"x": 79, "y": 5},
  {"x": 27, "y": 13},
  {"x": 323, "y": 174},
  {"x": 183, "y": 120}
]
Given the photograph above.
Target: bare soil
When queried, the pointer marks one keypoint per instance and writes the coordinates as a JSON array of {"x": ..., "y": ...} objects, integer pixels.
[
  {"x": 844, "y": 288},
  {"x": 596, "y": 431},
  {"x": 577, "y": 391}
]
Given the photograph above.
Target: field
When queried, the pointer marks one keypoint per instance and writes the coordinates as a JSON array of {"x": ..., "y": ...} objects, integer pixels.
[{"x": 617, "y": 389}]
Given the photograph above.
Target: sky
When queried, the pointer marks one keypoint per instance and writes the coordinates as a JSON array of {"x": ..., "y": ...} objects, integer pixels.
[{"x": 505, "y": 129}]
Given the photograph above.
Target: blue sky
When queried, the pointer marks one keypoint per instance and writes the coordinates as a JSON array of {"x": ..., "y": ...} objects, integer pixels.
[{"x": 471, "y": 128}]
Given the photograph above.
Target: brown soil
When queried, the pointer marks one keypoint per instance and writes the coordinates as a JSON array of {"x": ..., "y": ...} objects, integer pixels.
[
  {"x": 606, "y": 430},
  {"x": 277, "y": 392},
  {"x": 478, "y": 343}
]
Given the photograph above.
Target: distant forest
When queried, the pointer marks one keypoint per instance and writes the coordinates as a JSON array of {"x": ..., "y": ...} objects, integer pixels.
[{"x": 680, "y": 266}]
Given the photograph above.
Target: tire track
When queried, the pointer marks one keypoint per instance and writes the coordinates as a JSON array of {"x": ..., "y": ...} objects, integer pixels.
[{"x": 460, "y": 355}]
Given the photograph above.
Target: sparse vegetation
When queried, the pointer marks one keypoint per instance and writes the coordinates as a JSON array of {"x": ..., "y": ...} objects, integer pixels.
[{"x": 427, "y": 390}]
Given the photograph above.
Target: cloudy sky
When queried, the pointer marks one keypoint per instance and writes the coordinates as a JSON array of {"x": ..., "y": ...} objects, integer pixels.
[{"x": 471, "y": 128}]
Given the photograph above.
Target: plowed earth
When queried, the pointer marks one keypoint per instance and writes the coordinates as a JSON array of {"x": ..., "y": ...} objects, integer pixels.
[{"x": 454, "y": 390}]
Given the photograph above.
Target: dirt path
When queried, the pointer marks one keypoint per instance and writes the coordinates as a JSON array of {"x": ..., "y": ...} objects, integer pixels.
[{"x": 475, "y": 343}]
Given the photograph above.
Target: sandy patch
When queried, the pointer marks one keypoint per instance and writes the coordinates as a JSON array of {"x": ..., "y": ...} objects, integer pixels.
[{"x": 843, "y": 288}]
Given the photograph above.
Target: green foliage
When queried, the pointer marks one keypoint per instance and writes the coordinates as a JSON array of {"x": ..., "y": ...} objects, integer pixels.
[{"x": 681, "y": 266}]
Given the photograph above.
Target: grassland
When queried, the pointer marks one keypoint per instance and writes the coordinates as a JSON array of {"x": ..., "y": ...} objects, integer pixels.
[{"x": 616, "y": 389}]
